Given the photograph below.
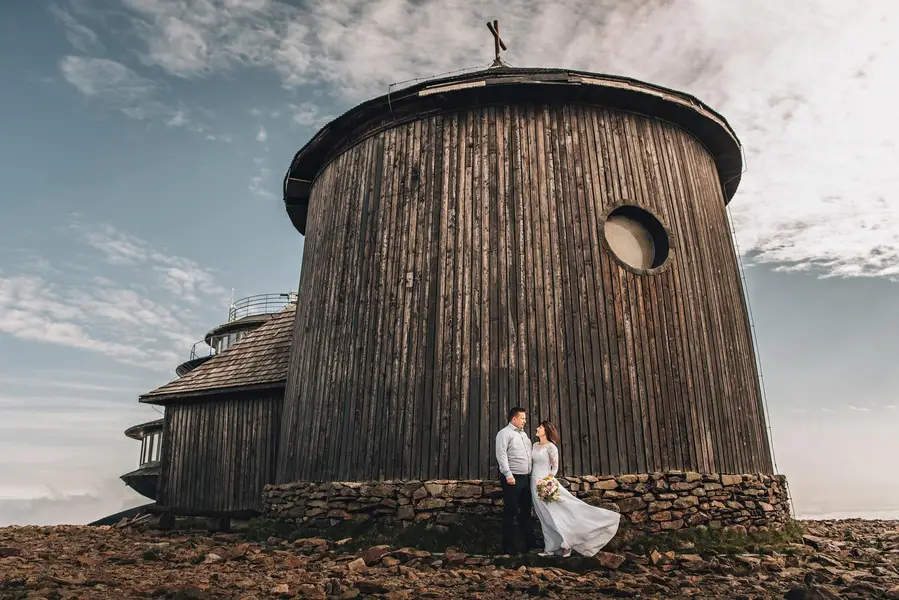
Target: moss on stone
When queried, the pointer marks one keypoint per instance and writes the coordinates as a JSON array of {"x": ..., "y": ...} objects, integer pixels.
[{"x": 480, "y": 536}]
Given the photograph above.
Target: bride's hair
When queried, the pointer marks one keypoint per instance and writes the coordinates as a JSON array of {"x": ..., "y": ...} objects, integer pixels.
[{"x": 552, "y": 432}]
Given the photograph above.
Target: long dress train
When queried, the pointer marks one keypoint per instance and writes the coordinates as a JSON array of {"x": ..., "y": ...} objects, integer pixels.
[{"x": 569, "y": 522}]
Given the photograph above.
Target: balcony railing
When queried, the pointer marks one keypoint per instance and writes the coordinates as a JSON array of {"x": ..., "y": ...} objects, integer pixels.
[
  {"x": 201, "y": 350},
  {"x": 262, "y": 304}
]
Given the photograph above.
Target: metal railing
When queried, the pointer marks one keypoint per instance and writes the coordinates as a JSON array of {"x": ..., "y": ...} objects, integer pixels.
[
  {"x": 203, "y": 353},
  {"x": 261, "y": 304}
]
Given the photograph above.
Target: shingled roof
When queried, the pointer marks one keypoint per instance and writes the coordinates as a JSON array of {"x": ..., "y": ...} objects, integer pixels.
[{"x": 258, "y": 360}]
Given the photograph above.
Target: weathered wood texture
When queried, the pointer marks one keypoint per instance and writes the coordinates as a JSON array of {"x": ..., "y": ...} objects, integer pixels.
[
  {"x": 453, "y": 268},
  {"x": 217, "y": 455}
]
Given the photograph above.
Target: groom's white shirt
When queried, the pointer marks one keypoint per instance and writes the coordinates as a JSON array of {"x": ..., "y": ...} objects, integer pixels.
[{"x": 513, "y": 451}]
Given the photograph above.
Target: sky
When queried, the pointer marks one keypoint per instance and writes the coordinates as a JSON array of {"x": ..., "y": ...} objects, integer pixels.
[{"x": 143, "y": 145}]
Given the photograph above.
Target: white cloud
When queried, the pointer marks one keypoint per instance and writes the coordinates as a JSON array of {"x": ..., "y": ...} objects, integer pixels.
[
  {"x": 82, "y": 38},
  {"x": 181, "y": 276},
  {"x": 261, "y": 183},
  {"x": 101, "y": 77},
  {"x": 188, "y": 282},
  {"x": 309, "y": 114},
  {"x": 112, "y": 83},
  {"x": 262, "y": 135},
  {"x": 37, "y": 310},
  {"x": 857, "y": 408},
  {"x": 807, "y": 85},
  {"x": 178, "y": 119},
  {"x": 195, "y": 38},
  {"x": 122, "y": 318},
  {"x": 52, "y": 507},
  {"x": 68, "y": 385},
  {"x": 260, "y": 111},
  {"x": 62, "y": 445},
  {"x": 115, "y": 85},
  {"x": 31, "y": 262},
  {"x": 354, "y": 45},
  {"x": 808, "y": 455},
  {"x": 77, "y": 375}
]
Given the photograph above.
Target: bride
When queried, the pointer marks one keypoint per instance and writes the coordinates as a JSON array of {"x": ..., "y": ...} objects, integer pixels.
[{"x": 568, "y": 523}]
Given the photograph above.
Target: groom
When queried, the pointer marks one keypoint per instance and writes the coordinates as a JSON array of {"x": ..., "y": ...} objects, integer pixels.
[{"x": 513, "y": 453}]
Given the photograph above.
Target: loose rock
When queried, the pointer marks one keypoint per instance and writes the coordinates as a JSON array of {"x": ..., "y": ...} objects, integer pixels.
[{"x": 854, "y": 560}]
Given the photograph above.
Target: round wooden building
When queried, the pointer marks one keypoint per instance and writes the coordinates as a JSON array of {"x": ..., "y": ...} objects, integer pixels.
[{"x": 546, "y": 238}]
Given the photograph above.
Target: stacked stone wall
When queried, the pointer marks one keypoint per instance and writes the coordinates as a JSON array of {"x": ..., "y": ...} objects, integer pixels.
[{"x": 648, "y": 502}]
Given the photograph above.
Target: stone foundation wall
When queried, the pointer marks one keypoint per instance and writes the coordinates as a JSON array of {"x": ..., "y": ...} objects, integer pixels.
[{"x": 648, "y": 502}]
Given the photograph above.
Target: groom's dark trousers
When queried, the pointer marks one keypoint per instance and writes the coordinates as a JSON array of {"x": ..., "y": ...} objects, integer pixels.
[{"x": 517, "y": 499}]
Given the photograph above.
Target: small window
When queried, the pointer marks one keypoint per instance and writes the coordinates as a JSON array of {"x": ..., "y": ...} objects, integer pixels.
[{"x": 636, "y": 238}]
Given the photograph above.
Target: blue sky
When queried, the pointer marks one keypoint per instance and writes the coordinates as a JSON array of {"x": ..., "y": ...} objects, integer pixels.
[{"x": 143, "y": 144}]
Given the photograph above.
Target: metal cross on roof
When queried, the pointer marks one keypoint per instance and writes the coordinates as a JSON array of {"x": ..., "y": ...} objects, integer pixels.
[{"x": 497, "y": 43}]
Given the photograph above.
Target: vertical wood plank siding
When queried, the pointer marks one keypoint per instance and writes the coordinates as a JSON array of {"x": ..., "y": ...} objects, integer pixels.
[
  {"x": 217, "y": 455},
  {"x": 454, "y": 267}
]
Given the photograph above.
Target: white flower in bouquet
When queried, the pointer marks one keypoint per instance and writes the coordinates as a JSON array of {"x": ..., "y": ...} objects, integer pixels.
[{"x": 548, "y": 489}]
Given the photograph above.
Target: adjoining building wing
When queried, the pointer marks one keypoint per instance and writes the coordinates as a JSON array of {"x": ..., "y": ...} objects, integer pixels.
[
  {"x": 258, "y": 360},
  {"x": 221, "y": 425}
]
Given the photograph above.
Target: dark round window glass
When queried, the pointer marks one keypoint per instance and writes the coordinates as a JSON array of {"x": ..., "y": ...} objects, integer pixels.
[{"x": 636, "y": 237}]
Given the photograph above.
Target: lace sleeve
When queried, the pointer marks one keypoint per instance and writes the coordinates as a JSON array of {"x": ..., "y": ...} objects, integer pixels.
[{"x": 553, "y": 459}]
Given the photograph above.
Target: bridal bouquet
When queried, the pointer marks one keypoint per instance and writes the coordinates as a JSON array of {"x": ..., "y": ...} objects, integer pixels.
[{"x": 548, "y": 489}]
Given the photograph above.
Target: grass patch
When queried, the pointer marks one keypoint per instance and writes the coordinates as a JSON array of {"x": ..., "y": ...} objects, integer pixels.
[
  {"x": 482, "y": 536},
  {"x": 704, "y": 541},
  {"x": 472, "y": 536},
  {"x": 260, "y": 529},
  {"x": 149, "y": 555}
]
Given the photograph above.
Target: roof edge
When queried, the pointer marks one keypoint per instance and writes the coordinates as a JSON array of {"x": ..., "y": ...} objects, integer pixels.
[
  {"x": 173, "y": 397},
  {"x": 503, "y": 86},
  {"x": 135, "y": 431}
]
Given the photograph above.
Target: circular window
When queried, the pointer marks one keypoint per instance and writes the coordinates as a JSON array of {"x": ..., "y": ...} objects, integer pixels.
[{"x": 636, "y": 238}]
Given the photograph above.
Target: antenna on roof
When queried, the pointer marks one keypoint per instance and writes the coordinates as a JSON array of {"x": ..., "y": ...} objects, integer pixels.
[{"x": 497, "y": 44}]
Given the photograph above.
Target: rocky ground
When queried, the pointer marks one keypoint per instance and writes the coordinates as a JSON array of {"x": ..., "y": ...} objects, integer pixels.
[{"x": 825, "y": 560}]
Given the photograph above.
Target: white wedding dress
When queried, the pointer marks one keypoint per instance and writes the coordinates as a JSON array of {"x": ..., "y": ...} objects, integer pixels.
[{"x": 568, "y": 522}]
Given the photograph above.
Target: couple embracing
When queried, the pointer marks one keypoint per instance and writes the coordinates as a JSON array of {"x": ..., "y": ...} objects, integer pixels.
[{"x": 528, "y": 479}]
